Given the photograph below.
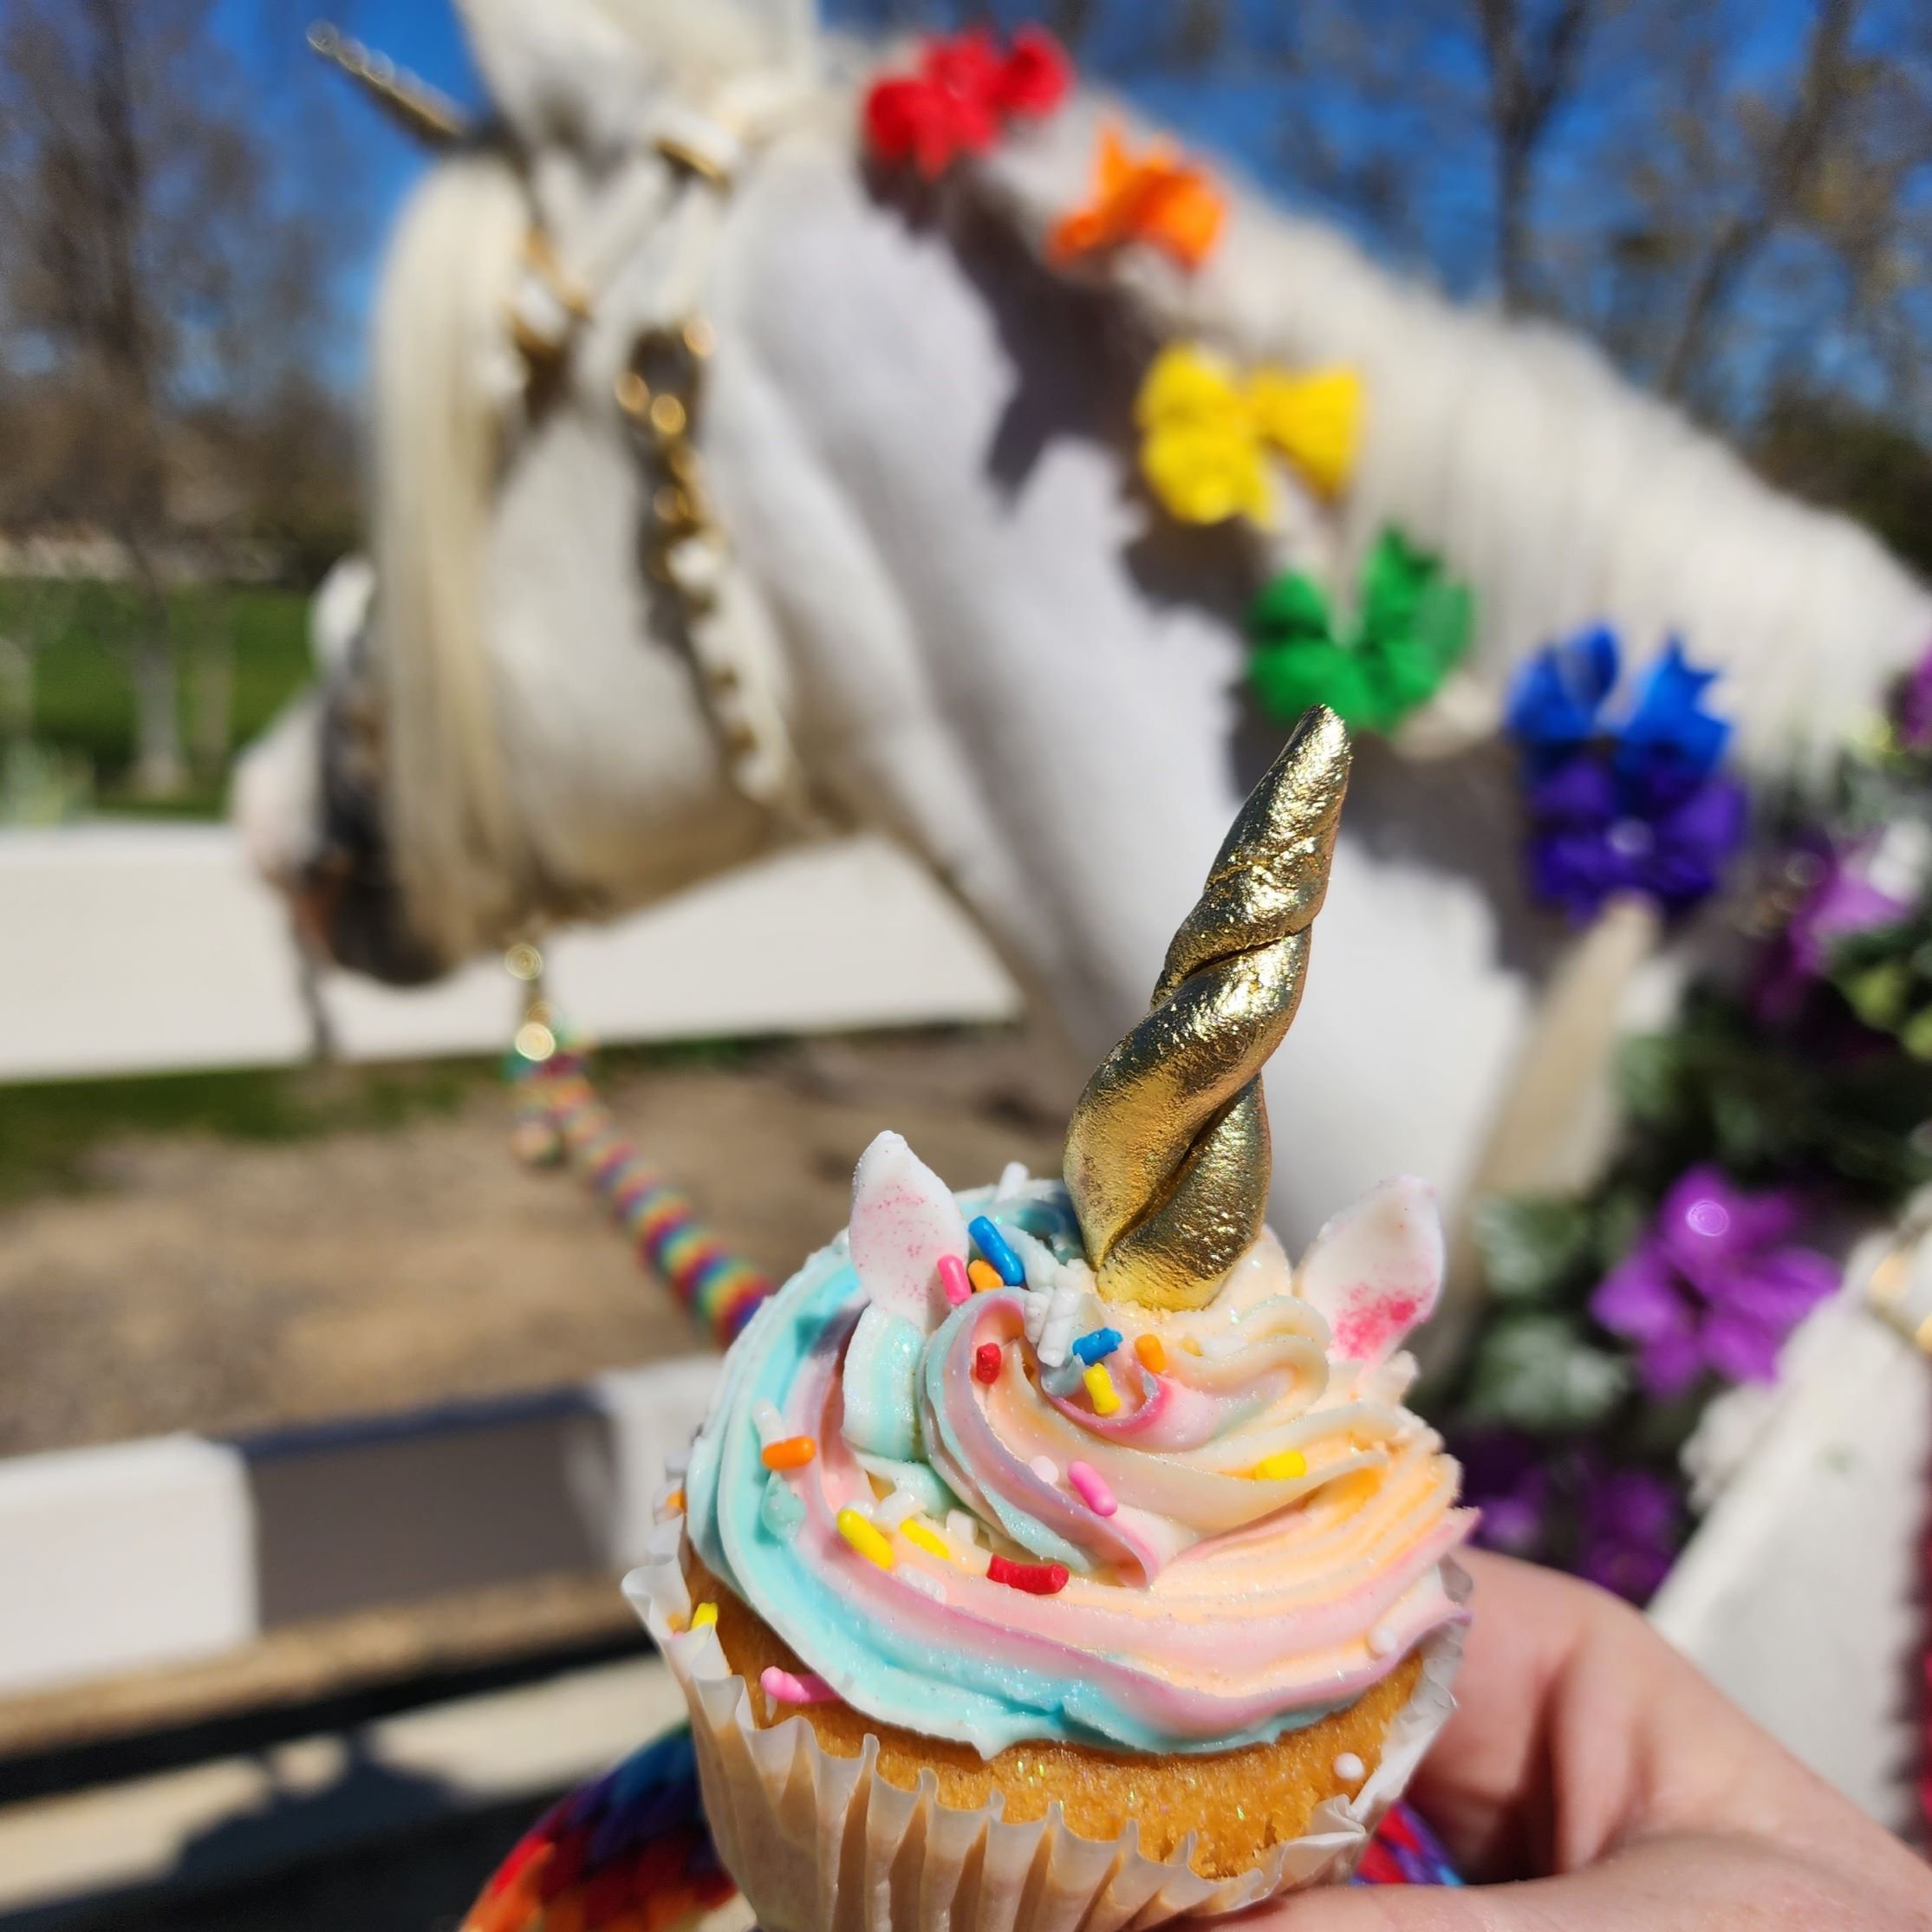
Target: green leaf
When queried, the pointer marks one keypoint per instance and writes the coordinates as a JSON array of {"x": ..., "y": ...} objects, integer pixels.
[
  {"x": 1650, "y": 1073},
  {"x": 1878, "y": 993},
  {"x": 1535, "y": 1372},
  {"x": 1531, "y": 1248},
  {"x": 1916, "y": 1036}
]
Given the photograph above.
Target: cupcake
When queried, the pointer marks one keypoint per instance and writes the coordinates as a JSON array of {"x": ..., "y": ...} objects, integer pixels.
[{"x": 1056, "y": 1553}]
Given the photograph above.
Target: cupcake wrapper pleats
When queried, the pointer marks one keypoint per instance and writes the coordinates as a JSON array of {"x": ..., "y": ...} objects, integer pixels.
[{"x": 822, "y": 1843}]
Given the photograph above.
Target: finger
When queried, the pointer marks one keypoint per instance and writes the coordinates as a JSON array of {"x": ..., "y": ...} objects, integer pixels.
[
  {"x": 1679, "y": 1885},
  {"x": 1578, "y": 1728}
]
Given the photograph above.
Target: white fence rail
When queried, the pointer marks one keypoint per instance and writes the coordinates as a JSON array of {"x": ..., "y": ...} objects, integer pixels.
[{"x": 144, "y": 948}]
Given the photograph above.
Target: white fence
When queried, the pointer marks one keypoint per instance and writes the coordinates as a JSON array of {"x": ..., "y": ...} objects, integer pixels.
[{"x": 129, "y": 948}]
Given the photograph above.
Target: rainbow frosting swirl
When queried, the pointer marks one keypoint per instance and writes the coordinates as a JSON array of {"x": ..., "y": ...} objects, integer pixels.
[{"x": 1027, "y": 1514}]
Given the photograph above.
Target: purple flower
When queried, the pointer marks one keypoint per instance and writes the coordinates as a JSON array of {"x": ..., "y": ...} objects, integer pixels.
[
  {"x": 1629, "y": 1528},
  {"x": 1638, "y": 807},
  {"x": 1913, "y": 706},
  {"x": 1505, "y": 1475},
  {"x": 1839, "y": 902},
  {"x": 1598, "y": 833},
  {"x": 1712, "y": 1284}
]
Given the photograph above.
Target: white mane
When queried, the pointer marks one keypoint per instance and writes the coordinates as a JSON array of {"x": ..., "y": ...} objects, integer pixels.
[
  {"x": 1564, "y": 496},
  {"x": 445, "y": 375}
]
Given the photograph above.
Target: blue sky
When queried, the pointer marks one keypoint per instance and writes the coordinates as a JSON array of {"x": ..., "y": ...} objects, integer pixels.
[{"x": 1238, "y": 103}]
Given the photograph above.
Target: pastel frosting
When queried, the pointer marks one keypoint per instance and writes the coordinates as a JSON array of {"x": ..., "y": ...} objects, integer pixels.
[{"x": 1253, "y": 1532}]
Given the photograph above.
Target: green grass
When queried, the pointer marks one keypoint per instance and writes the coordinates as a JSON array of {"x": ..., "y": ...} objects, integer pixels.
[
  {"x": 49, "y": 1130},
  {"x": 81, "y": 635}
]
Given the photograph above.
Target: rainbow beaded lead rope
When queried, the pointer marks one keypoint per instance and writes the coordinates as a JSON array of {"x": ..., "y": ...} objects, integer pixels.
[{"x": 560, "y": 1117}]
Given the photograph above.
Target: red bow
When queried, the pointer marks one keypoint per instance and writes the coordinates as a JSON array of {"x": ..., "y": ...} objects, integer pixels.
[{"x": 965, "y": 91}]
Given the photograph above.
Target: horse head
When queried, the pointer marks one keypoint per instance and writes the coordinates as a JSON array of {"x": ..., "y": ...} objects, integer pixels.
[
  {"x": 503, "y": 728},
  {"x": 720, "y": 477}
]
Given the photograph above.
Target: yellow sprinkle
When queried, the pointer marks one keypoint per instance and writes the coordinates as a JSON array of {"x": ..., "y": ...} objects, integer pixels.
[
  {"x": 704, "y": 1617},
  {"x": 923, "y": 1536},
  {"x": 1283, "y": 1467},
  {"x": 1154, "y": 1357},
  {"x": 1188, "y": 1342},
  {"x": 983, "y": 1276},
  {"x": 1099, "y": 1387},
  {"x": 673, "y": 1504},
  {"x": 865, "y": 1537}
]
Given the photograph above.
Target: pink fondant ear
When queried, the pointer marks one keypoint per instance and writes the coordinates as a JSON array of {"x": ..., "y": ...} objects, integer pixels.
[
  {"x": 904, "y": 1218},
  {"x": 1376, "y": 1269}
]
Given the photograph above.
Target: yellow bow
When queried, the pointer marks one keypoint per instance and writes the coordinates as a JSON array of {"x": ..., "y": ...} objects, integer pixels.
[{"x": 1206, "y": 433}]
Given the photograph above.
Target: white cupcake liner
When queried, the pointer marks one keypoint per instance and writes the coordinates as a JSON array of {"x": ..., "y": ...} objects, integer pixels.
[{"x": 824, "y": 1843}]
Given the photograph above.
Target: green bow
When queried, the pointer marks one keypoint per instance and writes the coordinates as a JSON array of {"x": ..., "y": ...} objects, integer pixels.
[{"x": 1412, "y": 630}]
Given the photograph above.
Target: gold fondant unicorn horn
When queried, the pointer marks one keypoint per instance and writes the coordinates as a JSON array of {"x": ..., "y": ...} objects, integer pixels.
[{"x": 1167, "y": 1153}]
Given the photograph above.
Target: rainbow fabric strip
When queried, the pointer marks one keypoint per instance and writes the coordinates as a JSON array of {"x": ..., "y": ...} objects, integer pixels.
[
  {"x": 627, "y": 1852},
  {"x": 630, "y": 1852},
  {"x": 559, "y": 1113}
]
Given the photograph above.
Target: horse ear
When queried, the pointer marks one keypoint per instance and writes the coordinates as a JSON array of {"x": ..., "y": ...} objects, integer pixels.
[
  {"x": 574, "y": 73},
  {"x": 558, "y": 73}
]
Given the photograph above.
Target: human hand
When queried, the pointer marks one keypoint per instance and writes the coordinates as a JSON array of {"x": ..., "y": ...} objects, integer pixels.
[{"x": 1592, "y": 1780}]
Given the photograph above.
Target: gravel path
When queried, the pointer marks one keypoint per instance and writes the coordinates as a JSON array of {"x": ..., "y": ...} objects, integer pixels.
[{"x": 206, "y": 1285}]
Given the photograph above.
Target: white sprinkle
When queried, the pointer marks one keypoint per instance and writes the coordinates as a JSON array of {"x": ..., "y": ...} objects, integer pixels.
[
  {"x": 1043, "y": 1271},
  {"x": 1012, "y": 1177},
  {"x": 961, "y": 1526},
  {"x": 1381, "y": 1640},
  {"x": 922, "y": 1581},
  {"x": 1349, "y": 1768},
  {"x": 1033, "y": 1307},
  {"x": 890, "y": 1514},
  {"x": 1045, "y": 1469},
  {"x": 768, "y": 1424}
]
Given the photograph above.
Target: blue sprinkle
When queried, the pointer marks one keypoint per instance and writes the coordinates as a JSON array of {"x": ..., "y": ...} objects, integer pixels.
[
  {"x": 1096, "y": 1346},
  {"x": 993, "y": 1244}
]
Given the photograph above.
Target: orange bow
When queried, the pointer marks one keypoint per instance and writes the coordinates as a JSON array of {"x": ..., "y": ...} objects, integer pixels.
[{"x": 1158, "y": 197}]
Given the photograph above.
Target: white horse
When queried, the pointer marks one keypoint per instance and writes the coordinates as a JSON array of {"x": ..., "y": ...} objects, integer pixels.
[{"x": 950, "y": 605}]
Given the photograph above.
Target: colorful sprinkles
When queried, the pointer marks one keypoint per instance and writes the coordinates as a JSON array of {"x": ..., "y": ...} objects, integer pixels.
[
  {"x": 923, "y": 1536},
  {"x": 1097, "y": 1345},
  {"x": 704, "y": 1617},
  {"x": 998, "y": 1250},
  {"x": 1281, "y": 1466},
  {"x": 983, "y": 1276},
  {"x": 986, "y": 1359},
  {"x": 954, "y": 1283},
  {"x": 792, "y": 1452},
  {"x": 1038, "y": 1579},
  {"x": 1151, "y": 1353},
  {"x": 865, "y": 1537},
  {"x": 1091, "y": 1487},
  {"x": 1100, "y": 1389},
  {"x": 795, "y": 1687}
]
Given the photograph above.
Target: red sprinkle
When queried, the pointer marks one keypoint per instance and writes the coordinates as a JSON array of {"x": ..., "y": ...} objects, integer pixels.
[
  {"x": 1041, "y": 1579},
  {"x": 985, "y": 1361}
]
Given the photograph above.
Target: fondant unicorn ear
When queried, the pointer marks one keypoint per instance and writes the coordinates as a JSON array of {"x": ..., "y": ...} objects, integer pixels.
[
  {"x": 904, "y": 1218},
  {"x": 1375, "y": 1271}
]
